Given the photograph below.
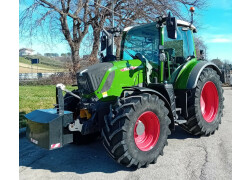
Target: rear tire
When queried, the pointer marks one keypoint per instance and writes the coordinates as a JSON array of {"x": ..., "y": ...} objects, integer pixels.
[
  {"x": 121, "y": 137},
  {"x": 205, "y": 107}
]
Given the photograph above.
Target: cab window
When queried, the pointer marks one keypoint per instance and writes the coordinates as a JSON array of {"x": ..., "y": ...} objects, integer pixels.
[
  {"x": 183, "y": 46},
  {"x": 144, "y": 40}
]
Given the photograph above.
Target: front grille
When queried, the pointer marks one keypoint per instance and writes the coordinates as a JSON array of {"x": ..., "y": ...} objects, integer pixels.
[
  {"x": 84, "y": 84},
  {"x": 89, "y": 79}
]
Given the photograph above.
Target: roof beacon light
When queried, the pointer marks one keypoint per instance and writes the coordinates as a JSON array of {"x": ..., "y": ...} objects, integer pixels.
[{"x": 192, "y": 9}]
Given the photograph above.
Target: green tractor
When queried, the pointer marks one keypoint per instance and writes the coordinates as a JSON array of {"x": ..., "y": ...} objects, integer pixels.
[{"x": 135, "y": 102}]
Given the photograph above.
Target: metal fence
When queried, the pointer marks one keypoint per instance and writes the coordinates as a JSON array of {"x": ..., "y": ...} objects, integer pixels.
[
  {"x": 34, "y": 76},
  {"x": 45, "y": 78}
]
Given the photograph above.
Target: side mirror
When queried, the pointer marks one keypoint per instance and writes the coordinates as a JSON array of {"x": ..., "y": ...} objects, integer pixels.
[
  {"x": 202, "y": 54},
  {"x": 103, "y": 43},
  {"x": 171, "y": 23}
]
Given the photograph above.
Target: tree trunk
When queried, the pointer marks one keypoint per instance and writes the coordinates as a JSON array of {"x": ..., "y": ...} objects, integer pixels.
[
  {"x": 75, "y": 59},
  {"x": 95, "y": 47},
  {"x": 118, "y": 47}
]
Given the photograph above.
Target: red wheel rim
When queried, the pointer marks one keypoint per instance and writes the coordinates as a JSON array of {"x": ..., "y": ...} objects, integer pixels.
[
  {"x": 209, "y": 101},
  {"x": 148, "y": 137}
]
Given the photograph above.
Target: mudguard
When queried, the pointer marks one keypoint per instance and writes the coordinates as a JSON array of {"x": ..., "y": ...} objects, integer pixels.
[
  {"x": 189, "y": 74},
  {"x": 187, "y": 80},
  {"x": 195, "y": 73}
]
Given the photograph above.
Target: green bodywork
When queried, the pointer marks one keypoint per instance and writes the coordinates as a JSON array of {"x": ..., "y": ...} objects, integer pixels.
[
  {"x": 127, "y": 73},
  {"x": 133, "y": 73}
]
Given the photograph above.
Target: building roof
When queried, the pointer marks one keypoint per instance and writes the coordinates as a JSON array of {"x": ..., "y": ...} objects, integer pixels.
[{"x": 27, "y": 49}]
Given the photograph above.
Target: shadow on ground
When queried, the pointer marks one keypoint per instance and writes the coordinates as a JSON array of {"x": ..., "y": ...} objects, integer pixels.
[
  {"x": 80, "y": 159},
  {"x": 71, "y": 158},
  {"x": 179, "y": 133}
]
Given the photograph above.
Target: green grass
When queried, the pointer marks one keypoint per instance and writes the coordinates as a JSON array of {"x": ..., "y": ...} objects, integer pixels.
[
  {"x": 44, "y": 62},
  {"x": 36, "y": 97}
]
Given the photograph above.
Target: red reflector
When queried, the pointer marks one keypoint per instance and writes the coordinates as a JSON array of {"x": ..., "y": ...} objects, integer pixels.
[{"x": 53, "y": 146}]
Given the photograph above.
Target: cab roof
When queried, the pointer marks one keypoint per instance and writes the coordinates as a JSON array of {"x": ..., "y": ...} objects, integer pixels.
[{"x": 179, "y": 23}]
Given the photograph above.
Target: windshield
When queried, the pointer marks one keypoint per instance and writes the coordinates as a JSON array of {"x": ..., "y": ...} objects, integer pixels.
[{"x": 142, "y": 39}]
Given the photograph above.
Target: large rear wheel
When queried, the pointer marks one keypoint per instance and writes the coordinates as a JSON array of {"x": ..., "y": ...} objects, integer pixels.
[
  {"x": 136, "y": 130},
  {"x": 205, "y": 107}
]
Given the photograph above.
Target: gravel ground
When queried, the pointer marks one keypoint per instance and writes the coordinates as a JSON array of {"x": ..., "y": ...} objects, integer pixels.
[{"x": 185, "y": 157}]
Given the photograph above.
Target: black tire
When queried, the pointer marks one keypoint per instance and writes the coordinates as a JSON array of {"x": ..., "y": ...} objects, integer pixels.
[
  {"x": 71, "y": 104},
  {"x": 118, "y": 132},
  {"x": 196, "y": 124}
]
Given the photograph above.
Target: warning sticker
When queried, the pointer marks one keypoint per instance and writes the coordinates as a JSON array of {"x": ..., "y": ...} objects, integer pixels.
[
  {"x": 34, "y": 141},
  {"x": 129, "y": 68},
  {"x": 53, "y": 146}
]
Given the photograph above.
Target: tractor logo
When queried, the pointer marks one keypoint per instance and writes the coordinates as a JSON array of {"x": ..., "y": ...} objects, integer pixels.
[{"x": 129, "y": 68}]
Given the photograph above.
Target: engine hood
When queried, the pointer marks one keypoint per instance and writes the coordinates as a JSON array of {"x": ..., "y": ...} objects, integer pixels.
[{"x": 89, "y": 78}]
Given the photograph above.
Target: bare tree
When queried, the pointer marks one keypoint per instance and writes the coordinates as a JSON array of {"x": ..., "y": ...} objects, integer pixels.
[
  {"x": 200, "y": 45},
  {"x": 144, "y": 11},
  {"x": 73, "y": 18}
]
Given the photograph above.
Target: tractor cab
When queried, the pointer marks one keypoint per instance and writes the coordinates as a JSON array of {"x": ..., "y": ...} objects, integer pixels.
[
  {"x": 163, "y": 46},
  {"x": 151, "y": 42}
]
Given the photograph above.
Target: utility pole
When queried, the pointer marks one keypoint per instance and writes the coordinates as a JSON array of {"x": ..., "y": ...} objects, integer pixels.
[{"x": 113, "y": 25}]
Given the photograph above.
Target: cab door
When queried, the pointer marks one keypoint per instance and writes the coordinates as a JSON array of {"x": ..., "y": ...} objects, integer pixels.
[{"x": 178, "y": 51}]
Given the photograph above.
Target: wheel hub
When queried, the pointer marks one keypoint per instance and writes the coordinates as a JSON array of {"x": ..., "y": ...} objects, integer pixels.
[
  {"x": 146, "y": 131},
  {"x": 140, "y": 128},
  {"x": 209, "y": 101}
]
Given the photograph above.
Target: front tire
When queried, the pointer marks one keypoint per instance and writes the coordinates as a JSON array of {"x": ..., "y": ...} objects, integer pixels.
[
  {"x": 205, "y": 107},
  {"x": 136, "y": 130}
]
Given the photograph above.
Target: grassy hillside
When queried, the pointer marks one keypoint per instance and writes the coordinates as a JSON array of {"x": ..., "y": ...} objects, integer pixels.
[
  {"x": 36, "y": 97},
  {"x": 44, "y": 61},
  {"x": 45, "y": 64}
]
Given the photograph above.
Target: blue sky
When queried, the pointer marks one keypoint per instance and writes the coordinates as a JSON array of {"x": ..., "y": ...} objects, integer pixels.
[{"x": 216, "y": 31}]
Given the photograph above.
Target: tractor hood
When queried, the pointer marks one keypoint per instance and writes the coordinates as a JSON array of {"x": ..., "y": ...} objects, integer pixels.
[
  {"x": 106, "y": 80},
  {"x": 89, "y": 79}
]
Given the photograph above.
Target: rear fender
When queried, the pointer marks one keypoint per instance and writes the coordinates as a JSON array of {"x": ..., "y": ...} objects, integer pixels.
[
  {"x": 185, "y": 88},
  {"x": 195, "y": 73},
  {"x": 189, "y": 74}
]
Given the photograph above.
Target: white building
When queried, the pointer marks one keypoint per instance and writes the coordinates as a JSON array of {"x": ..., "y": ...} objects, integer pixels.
[{"x": 26, "y": 51}]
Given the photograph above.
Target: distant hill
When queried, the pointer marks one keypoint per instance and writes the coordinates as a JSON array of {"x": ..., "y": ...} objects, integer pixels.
[{"x": 46, "y": 64}]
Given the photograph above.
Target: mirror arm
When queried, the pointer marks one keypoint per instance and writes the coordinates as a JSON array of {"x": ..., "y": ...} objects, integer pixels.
[{"x": 106, "y": 32}]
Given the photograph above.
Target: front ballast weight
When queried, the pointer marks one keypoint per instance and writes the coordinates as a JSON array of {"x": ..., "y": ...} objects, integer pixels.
[{"x": 51, "y": 128}]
